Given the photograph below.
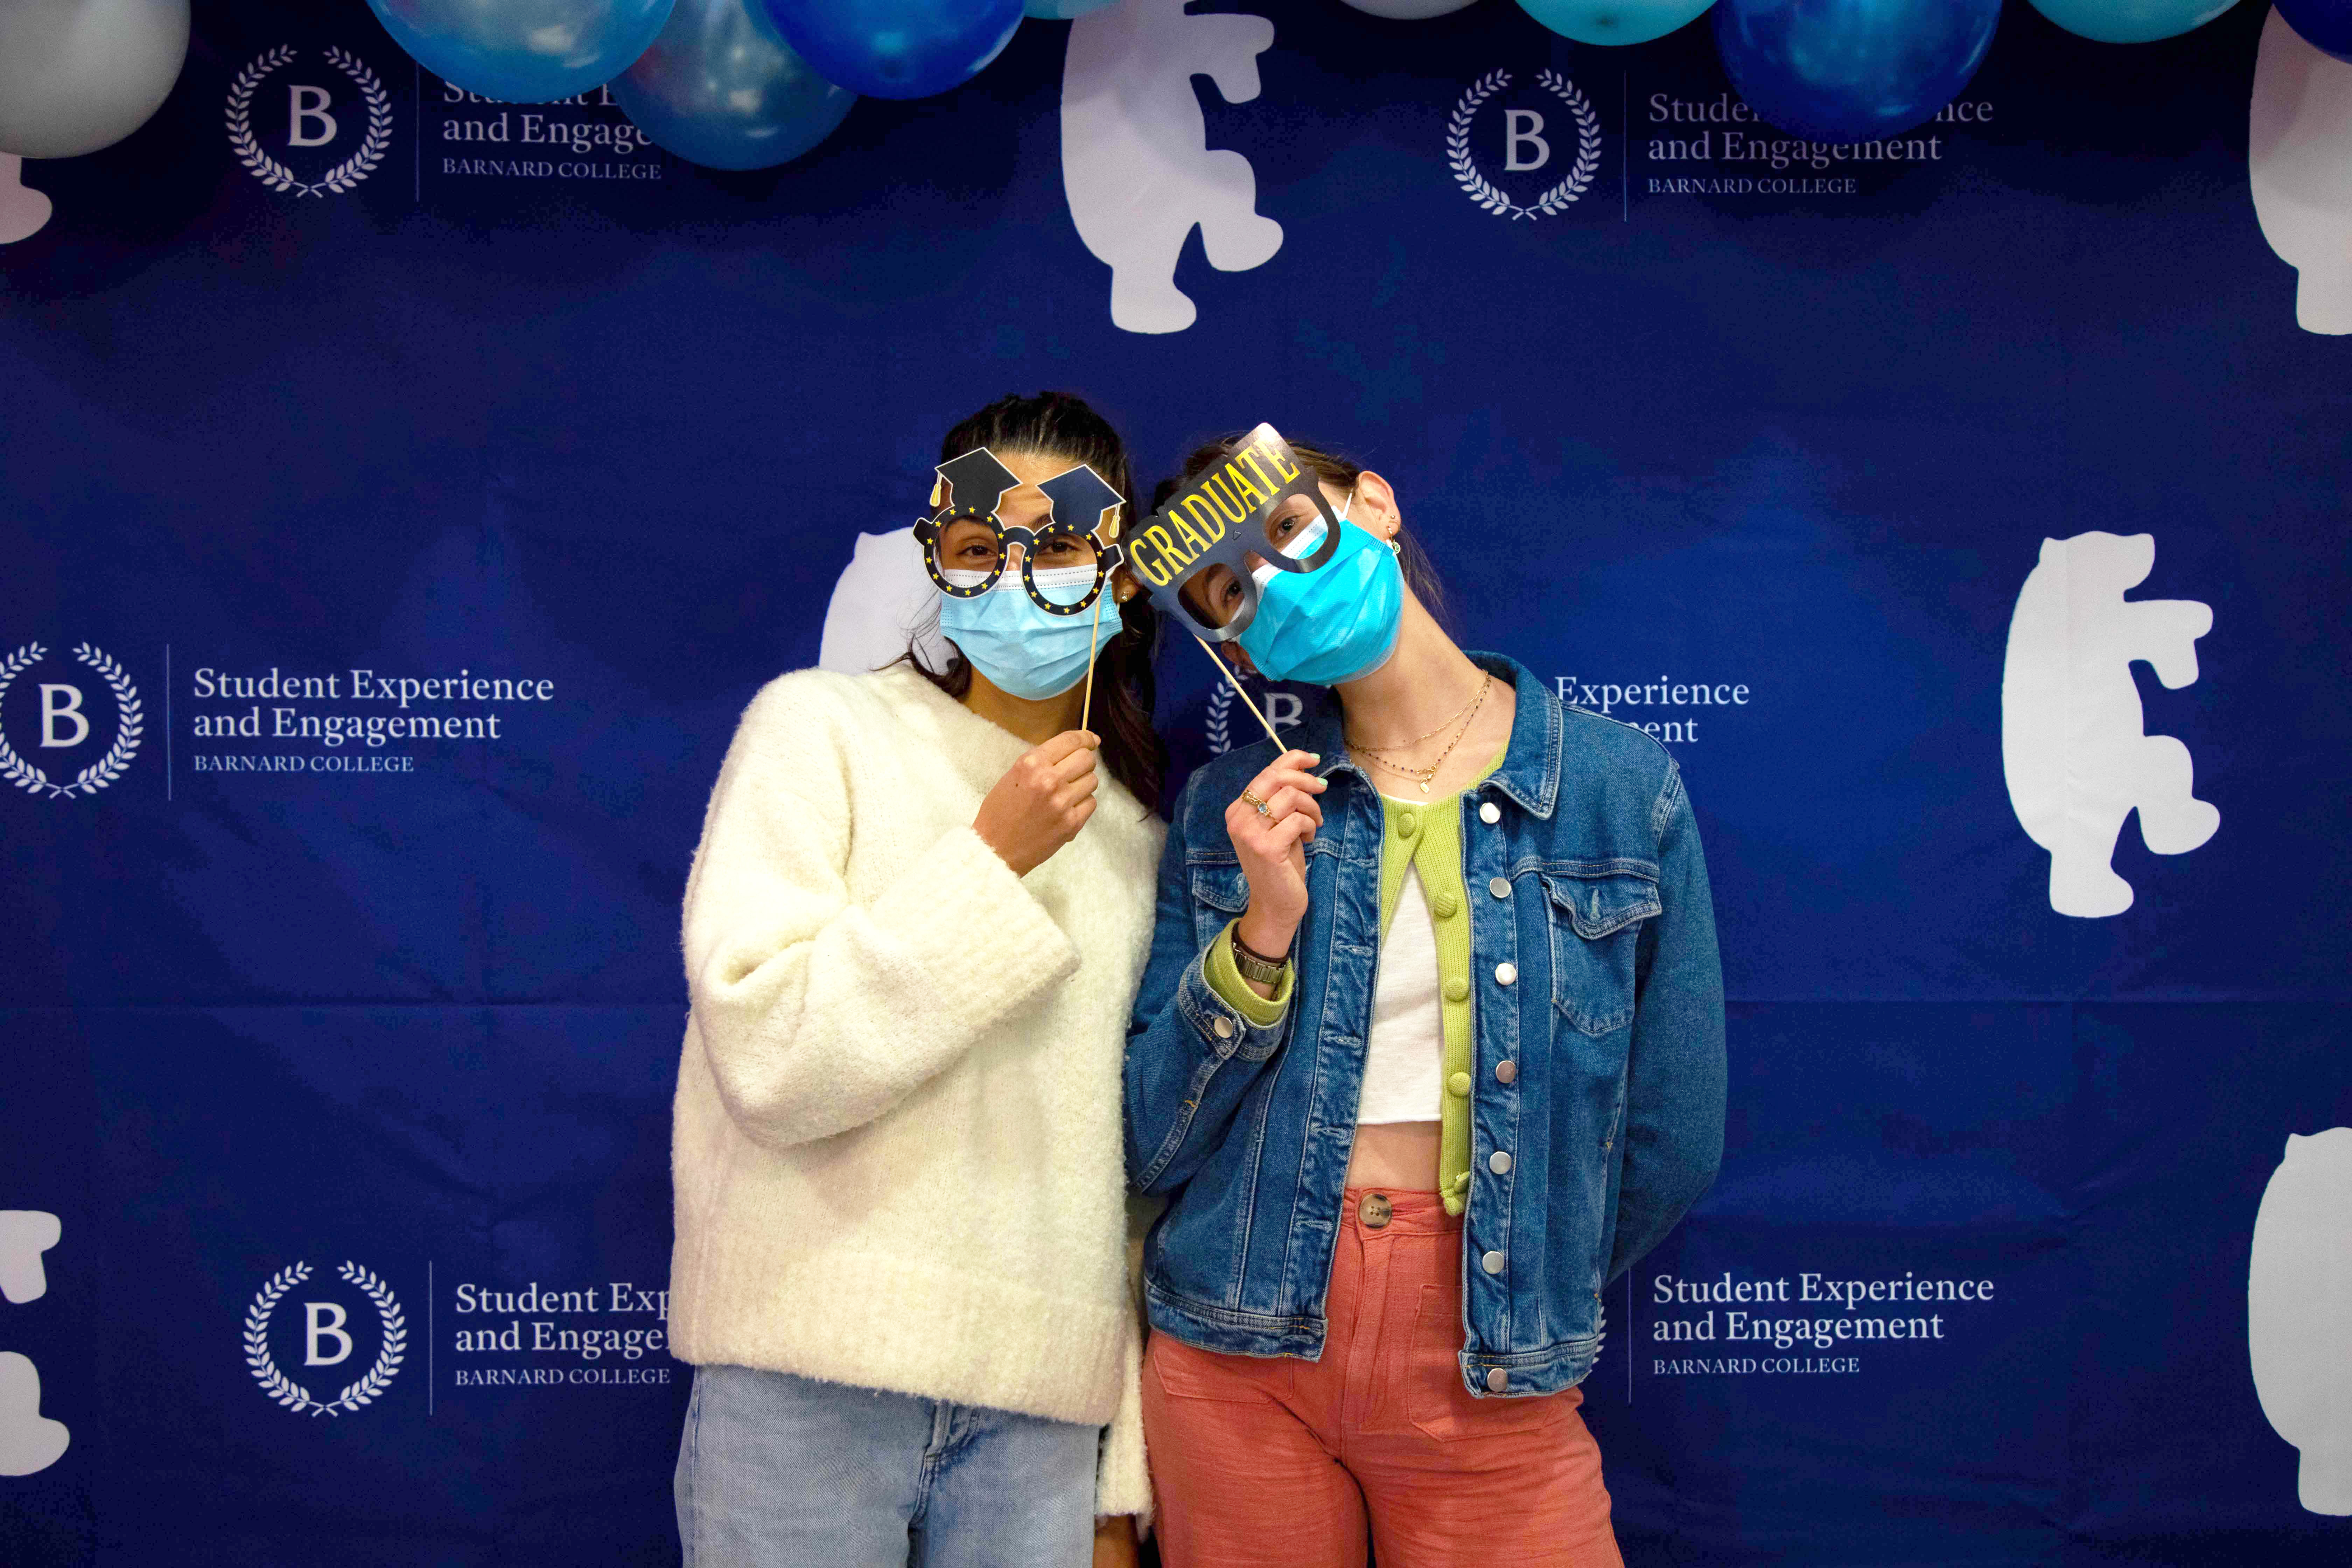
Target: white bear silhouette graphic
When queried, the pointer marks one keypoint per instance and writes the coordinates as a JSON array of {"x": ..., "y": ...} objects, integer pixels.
[
  {"x": 2299, "y": 1312},
  {"x": 2299, "y": 162},
  {"x": 2070, "y": 745},
  {"x": 1136, "y": 163},
  {"x": 25, "y": 1234},
  {"x": 29, "y": 1441}
]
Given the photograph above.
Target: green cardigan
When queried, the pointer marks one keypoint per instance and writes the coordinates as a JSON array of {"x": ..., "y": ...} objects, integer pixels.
[{"x": 1426, "y": 836}]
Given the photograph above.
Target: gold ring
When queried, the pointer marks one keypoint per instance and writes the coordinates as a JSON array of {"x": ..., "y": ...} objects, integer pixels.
[{"x": 1254, "y": 799}]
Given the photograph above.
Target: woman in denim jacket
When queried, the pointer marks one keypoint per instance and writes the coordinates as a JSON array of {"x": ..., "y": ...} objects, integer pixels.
[{"x": 1428, "y": 1051}]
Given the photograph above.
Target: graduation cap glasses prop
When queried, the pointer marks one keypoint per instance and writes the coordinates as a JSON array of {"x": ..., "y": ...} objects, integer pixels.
[{"x": 963, "y": 535}]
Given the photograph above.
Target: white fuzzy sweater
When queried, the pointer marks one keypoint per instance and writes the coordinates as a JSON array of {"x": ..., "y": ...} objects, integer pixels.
[{"x": 896, "y": 1161}]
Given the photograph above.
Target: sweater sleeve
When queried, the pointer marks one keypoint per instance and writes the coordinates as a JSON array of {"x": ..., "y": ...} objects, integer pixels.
[{"x": 818, "y": 1013}]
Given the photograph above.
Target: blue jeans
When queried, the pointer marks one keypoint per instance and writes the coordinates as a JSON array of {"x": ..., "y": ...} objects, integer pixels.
[{"x": 778, "y": 1472}]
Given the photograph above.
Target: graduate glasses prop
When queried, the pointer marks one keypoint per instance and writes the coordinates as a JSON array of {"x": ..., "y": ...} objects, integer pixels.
[
  {"x": 964, "y": 535},
  {"x": 1259, "y": 510}
]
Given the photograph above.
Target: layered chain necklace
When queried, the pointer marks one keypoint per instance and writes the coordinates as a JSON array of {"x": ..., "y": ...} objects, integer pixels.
[{"x": 1425, "y": 776}]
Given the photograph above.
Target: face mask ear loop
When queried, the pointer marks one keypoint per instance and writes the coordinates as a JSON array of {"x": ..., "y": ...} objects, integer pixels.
[{"x": 1226, "y": 670}]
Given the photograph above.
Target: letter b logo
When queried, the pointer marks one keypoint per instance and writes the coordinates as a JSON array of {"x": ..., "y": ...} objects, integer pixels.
[
  {"x": 321, "y": 1328},
  {"x": 1523, "y": 128},
  {"x": 307, "y": 106},
  {"x": 68, "y": 712}
]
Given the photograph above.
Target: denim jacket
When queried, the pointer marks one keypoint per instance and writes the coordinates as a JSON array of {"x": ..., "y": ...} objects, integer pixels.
[{"x": 1597, "y": 1068}]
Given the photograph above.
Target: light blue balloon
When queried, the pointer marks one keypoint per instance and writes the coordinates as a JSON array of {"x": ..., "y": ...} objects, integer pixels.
[
  {"x": 1613, "y": 21},
  {"x": 897, "y": 48},
  {"x": 523, "y": 51},
  {"x": 720, "y": 88},
  {"x": 2131, "y": 21},
  {"x": 1062, "y": 10},
  {"x": 1852, "y": 70}
]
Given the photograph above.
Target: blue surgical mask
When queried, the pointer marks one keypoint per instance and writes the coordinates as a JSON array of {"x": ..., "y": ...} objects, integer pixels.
[
  {"x": 1335, "y": 623},
  {"x": 1021, "y": 648}
]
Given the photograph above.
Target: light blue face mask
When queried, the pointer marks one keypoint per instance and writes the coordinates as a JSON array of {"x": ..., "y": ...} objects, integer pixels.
[
  {"x": 1335, "y": 623},
  {"x": 1021, "y": 648}
]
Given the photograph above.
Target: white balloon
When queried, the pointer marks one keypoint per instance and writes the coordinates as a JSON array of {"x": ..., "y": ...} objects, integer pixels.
[
  {"x": 2299, "y": 160},
  {"x": 1408, "y": 10},
  {"x": 78, "y": 75}
]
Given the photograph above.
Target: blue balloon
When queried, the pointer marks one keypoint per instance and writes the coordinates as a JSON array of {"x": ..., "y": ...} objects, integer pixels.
[
  {"x": 523, "y": 51},
  {"x": 1852, "y": 70},
  {"x": 1613, "y": 21},
  {"x": 2325, "y": 24},
  {"x": 720, "y": 88},
  {"x": 897, "y": 48},
  {"x": 1062, "y": 10},
  {"x": 2131, "y": 21}
]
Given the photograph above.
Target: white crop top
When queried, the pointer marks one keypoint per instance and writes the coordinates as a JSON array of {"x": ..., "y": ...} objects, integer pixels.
[{"x": 1404, "y": 1067}]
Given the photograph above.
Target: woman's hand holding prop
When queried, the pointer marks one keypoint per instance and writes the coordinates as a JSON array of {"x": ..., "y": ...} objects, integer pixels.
[
  {"x": 1271, "y": 825},
  {"x": 1042, "y": 800}
]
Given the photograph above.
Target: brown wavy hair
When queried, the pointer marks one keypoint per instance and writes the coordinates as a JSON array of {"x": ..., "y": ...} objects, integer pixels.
[{"x": 1059, "y": 425}]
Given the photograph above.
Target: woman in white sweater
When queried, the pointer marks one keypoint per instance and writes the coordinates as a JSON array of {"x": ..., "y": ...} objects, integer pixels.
[{"x": 913, "y": 930}]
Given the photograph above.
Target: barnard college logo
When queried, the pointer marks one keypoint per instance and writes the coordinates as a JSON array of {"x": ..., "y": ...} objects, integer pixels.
[
  {"x": 1283, "y": 710},
  {"x": 58, "y": 719},
  {"x": 328, "y": 1337},
  {"x": 314, "y": 119},
  {"x": 1526, "y": 143}
]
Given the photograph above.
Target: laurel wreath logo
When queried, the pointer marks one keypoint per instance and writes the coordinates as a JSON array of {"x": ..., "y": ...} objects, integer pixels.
[
  {"x": 1481, "y": 190},
  {"x": 1220, "y": 710},
  {"x": 130, "y": 725},
  {"x": 276, "y": 175},
  {"x": 292, "y": 1394}
]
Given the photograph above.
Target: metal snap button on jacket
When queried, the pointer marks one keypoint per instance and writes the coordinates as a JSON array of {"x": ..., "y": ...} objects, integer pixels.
[
  {"x": 1490, "y": 813},
  {"x": 1225, "y": 1027},
  {"x": 1499, "y": 1162},
  {"x": 1505, "y": 973},
  {"x": 1500, "y": 887},
  {"x": 1374, "y": 1210},
  {"x": 1497, "y": 1379},
  {"x": 1493, "y": 1262},
  {"x": 1506, "y": 1072}
]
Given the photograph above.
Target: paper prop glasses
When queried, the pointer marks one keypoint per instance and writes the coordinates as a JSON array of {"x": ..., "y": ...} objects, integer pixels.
[
  {"x": 964, "y": 535},
  {"x": 1250, "y": 513}
]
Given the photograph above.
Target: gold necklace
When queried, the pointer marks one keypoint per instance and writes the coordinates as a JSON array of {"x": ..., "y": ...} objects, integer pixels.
[{"x": 1424, "y": 777}]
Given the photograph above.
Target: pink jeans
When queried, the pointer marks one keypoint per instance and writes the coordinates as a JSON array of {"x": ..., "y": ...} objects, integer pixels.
[{"x": 1282, "y": 1463}]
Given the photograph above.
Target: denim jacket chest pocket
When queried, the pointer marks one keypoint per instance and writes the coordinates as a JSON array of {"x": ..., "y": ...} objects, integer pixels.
[
  {"x": 1220, "y": 893},
  {"x": 1597, "y": 912}
]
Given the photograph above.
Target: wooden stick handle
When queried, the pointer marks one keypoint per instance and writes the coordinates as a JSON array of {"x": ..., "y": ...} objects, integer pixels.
[{"x": 1226, "y": 670}]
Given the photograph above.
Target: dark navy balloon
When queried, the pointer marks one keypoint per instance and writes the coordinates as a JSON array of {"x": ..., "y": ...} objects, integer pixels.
[
  {"x": 2323, "y": 24},
  {"x": 1851, "y": 70},
  {"x": 897, "y": 48},
  {"x": 720, "y": 88},
  {"x": 523, "y": 51}
]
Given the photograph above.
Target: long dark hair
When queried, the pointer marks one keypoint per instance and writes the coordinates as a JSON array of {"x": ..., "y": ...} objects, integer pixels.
[
  {"x": 1339, "y": 473},
  {"x": 1057, "y": 425}
]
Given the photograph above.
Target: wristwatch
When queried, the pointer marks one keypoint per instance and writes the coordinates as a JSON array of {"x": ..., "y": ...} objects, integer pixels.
[{"x": 1256, "y": 965}]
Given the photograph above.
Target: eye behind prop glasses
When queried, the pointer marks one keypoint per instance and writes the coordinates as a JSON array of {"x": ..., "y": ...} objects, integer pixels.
[
  {"x": 1201, "y": 555},
  {"x": 964, "y": 536}
]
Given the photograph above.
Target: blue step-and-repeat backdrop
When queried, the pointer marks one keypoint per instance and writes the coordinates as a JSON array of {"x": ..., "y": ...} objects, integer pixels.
[{"x": 398, "y": 505}]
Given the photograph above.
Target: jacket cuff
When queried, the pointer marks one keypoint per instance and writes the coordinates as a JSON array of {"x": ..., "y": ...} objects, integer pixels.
[
  {"x": 1224, "y": 977},
  {"x": 1220, "y": 1025}
]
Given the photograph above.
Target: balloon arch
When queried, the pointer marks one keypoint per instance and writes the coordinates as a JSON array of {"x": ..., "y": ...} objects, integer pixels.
[{"x": 751, "y": 84}]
